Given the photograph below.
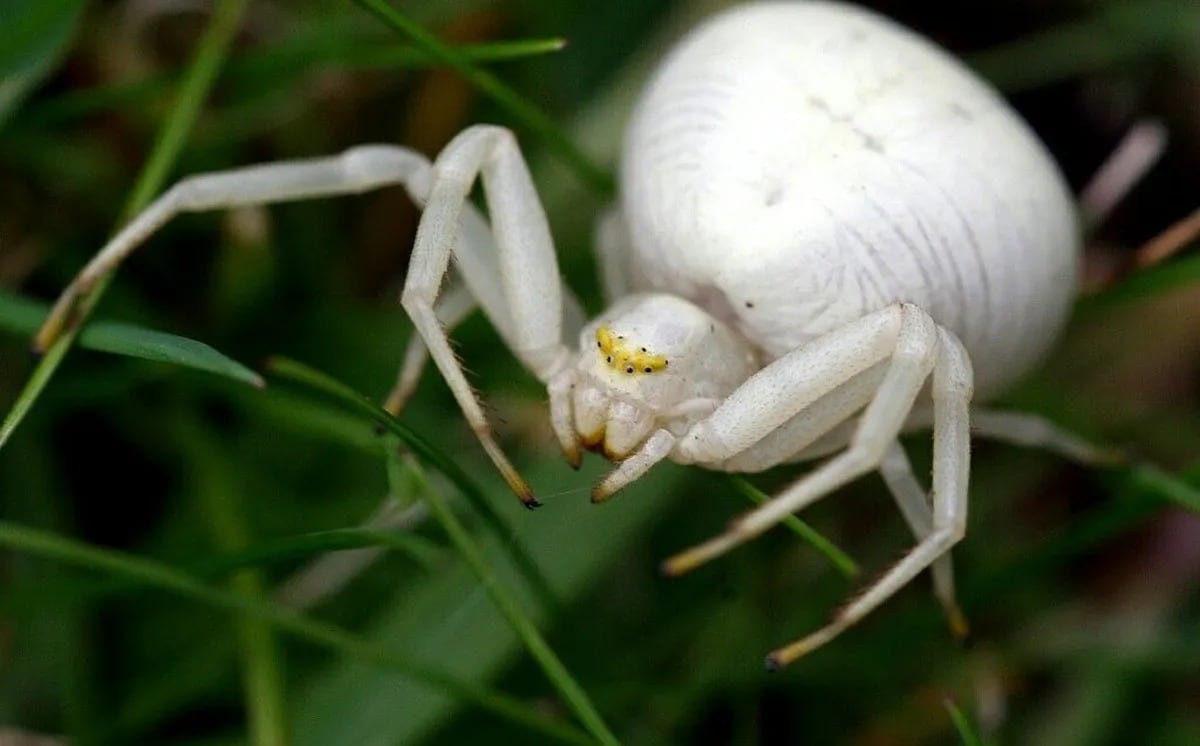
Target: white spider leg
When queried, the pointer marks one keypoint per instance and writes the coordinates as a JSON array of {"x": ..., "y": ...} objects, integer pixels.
[
  {"x": 912, "y": 500},
  {"x": 656, "y": 448},
  {"x": 913, "y": 351},
  {"x": 811, "y": 425},
  {"x": 773, "y": 396},
  {"x": 1033, "y": 431},
  {"x": 475, "y": 258},
  {"x": 528, "y": 273},
  {"x": 356, "y": 170},
  {"x": 952, "y": 389},
  {"x": 454, "y": 306},
  {"x": 612, "y": 242}
]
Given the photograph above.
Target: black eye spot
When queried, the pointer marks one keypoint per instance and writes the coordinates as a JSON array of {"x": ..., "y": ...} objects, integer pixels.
[
  {"x": 643, "y": 349},
  {"x": 600, "y": 346},
  {"x": 608, "y": 359},
  {"x": 647, "y": 370},
  {"x": 666, "y": 363},
  {"x": 749, "y": 304},
  {"x": 629, "y": 370}
]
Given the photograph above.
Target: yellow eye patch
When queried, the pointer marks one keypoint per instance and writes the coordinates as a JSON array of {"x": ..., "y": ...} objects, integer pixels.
[{"x": 620, "y": 356}]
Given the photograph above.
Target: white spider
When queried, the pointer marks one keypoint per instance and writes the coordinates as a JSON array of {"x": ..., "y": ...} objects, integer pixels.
[{"x": 826, "y": 225}]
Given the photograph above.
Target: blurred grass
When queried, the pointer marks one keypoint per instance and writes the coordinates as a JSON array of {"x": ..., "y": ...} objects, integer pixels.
[{"x": 1081, "y": 584}]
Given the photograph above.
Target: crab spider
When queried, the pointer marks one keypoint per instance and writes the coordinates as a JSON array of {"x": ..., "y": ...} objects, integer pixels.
[{"x": 830, "y": 233}]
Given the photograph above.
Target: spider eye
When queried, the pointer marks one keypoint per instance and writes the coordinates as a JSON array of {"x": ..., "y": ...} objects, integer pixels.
[
  {"x": 608, "y": 359},
  {"x": 629, "y": 370},
  {"x": 648, "y": 370}
]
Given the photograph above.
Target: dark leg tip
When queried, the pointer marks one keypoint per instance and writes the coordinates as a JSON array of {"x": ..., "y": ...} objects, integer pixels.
[
  {"x": 532, "y": 503},
  {"x": 772, "y": 663}
]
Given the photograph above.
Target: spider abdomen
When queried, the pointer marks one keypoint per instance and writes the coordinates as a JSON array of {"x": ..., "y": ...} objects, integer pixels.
[{"x": 808, "y": 163}]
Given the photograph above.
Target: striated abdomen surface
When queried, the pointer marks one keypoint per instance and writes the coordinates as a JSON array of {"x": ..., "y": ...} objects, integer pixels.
[{"x": 795, "y": 165}]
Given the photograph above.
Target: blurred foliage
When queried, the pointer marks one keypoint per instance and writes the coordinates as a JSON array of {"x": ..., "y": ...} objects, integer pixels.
[{"x": 1081, "y": 584}]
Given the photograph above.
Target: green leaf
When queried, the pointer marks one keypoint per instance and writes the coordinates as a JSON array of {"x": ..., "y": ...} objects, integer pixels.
[
  {"x": 33, "y": 36},
  {"x": 134, "y": 341},
  {"x": 1146, "y": 283},
  {"x": 1173, "y": 488},
  {"x": 22, "y": 315},
  {"x": 966, "y": 730},
  {"x": 1114, "y": 35}
]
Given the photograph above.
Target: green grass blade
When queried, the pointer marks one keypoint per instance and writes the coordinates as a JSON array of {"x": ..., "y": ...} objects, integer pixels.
[
  {"x": 966, "y": 730},
  {"x": 1116, "y": 34},
  {"x": 422, "y": 551},
  {"x": 574, "y": 695},
  {"x": 844, "y": 563},
  {"x": 353, "y": 401},
  {"x": 524, "y": 114},
  {"x": 214, "y": 485},
  {"x": 22, "y": 316},
  {"x": 264, "y": 553},
  {"x": 33, "y": 35},
  {"x": 1176, "y": 489},
  {"x": 148, "y": 344},
  {"x": 284, "y": 62},
  {"x": 164, "y": 577},
  {"x": 212, "y": 50},
  {"x": 1145, "y": 283}
]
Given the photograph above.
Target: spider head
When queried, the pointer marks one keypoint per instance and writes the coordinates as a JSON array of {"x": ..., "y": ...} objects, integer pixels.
[{"x": 650, "y": 362}]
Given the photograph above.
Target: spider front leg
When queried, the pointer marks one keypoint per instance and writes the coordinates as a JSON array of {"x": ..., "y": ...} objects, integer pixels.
[
  {"x": 475, "y": 257},
  {"x": 912, "y": 500},
  {"x": 952, "y": 389},
  {"x": 810, "y": 375},
  {"x": 527, "y": 280},
  {"x": 803, "y": 381}
]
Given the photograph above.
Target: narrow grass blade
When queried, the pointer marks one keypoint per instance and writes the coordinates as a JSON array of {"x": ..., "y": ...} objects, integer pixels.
[
  {"x": 214, "y": 486},
  {"x": 966, "y": 730},
  {"x": 524, "y": 114},
  {"x": 350, "y": 399},
  {"x": 423, "y": 552},
  {"x": 839, "y": 559},
  {"x": 570, "y": 690},
  {"x": 212, "y": 50},
  {"x": 1176, "y": 489},
  {"x": 283, "y": 61},
  {"x": 22, "y": 316},
  {"x": 1115, "y": 33},
  {"x": 33, "y": 36},
  {"x": 164, "y": 577},
  {"x": 1145, "y": 283}
]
